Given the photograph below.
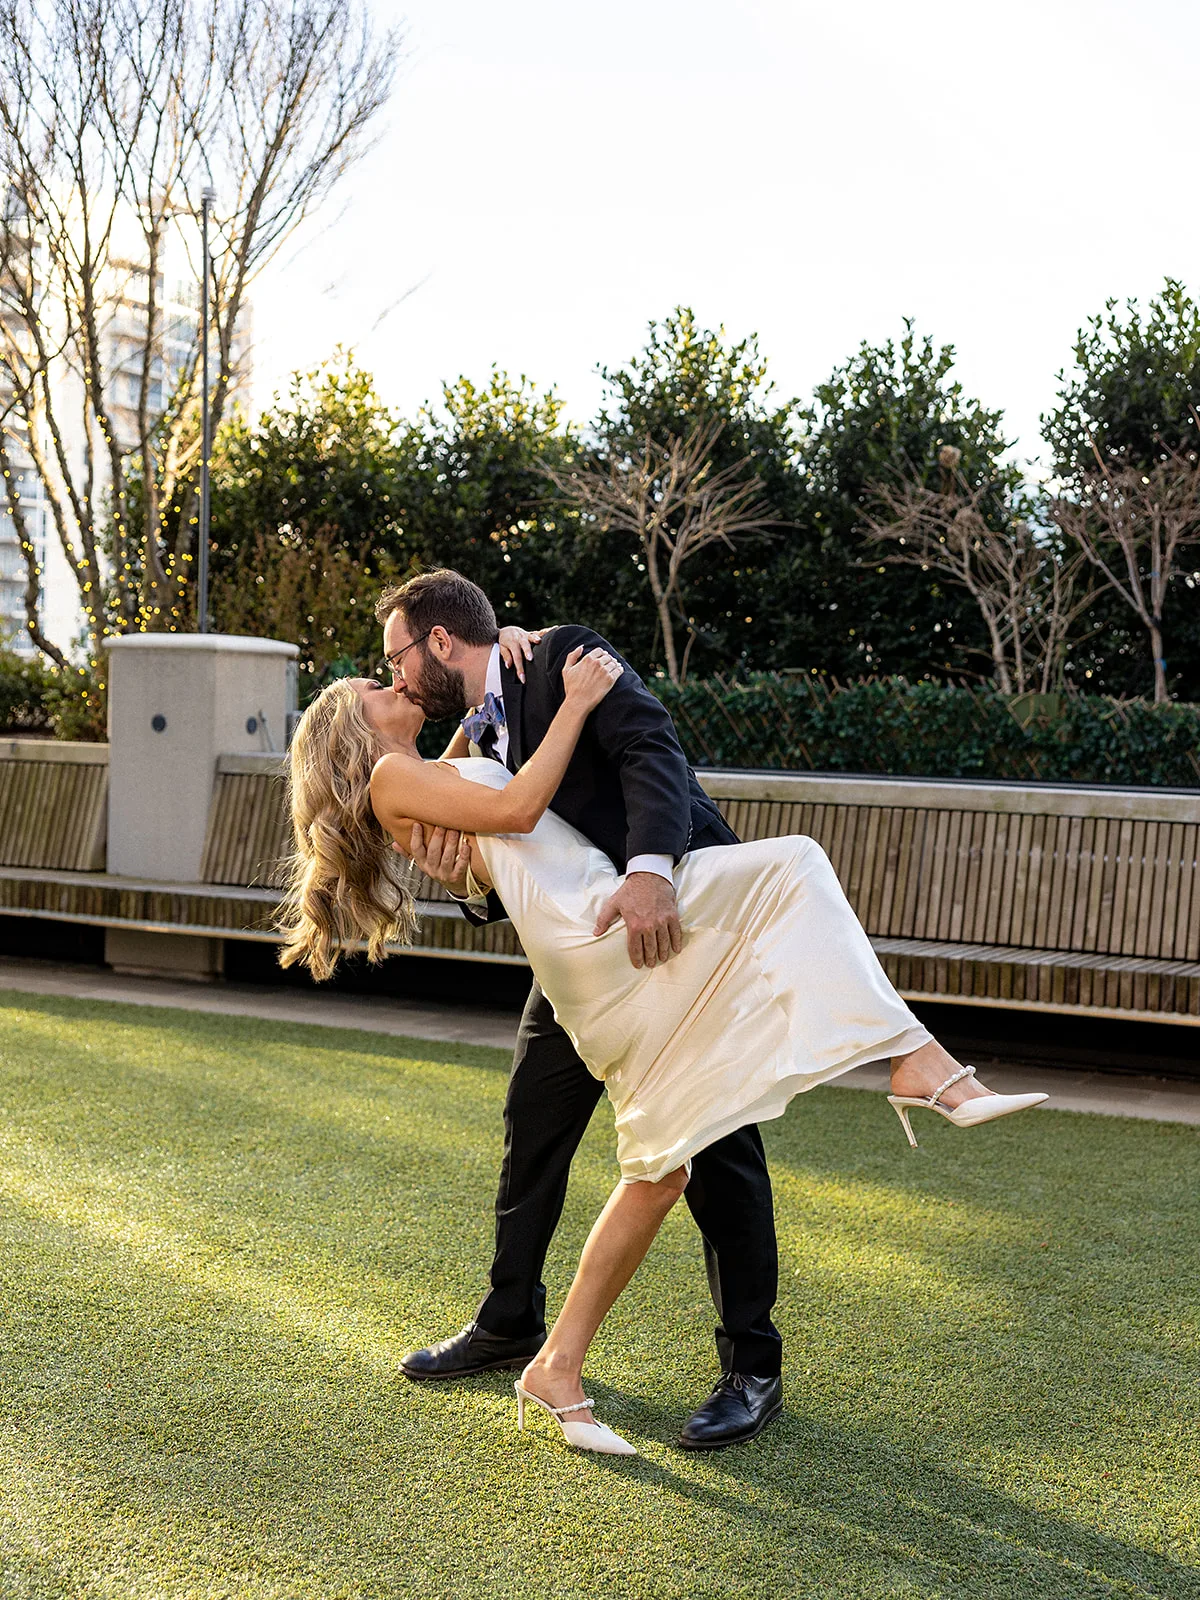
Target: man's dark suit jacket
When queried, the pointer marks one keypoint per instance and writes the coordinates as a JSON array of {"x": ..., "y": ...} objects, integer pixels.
[{"x": 629, "y": 788}]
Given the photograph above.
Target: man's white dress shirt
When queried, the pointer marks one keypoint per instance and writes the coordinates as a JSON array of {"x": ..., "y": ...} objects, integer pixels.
[{"x": 494, "y": 684}]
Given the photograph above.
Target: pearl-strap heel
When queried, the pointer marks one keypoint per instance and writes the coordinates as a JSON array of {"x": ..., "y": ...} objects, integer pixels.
[
  {"x": 983, "y": 1108},
  {"x": 580, "y": 1435}
]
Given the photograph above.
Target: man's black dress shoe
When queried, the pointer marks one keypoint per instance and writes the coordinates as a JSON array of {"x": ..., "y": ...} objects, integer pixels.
[
  {"x": 472, "y": 1350},
  {"x": 738, "y": 1409}
]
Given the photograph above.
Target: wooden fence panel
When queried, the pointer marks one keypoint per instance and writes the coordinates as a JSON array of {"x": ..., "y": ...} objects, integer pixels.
[{"x": 53, "y": 805}]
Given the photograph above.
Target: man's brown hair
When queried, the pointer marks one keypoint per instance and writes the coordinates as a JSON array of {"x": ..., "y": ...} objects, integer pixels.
[{"x": 441, "y": 599}]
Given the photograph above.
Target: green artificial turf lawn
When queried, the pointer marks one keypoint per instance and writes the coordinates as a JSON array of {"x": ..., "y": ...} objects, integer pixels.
[{"x": 220, "y": 1236}]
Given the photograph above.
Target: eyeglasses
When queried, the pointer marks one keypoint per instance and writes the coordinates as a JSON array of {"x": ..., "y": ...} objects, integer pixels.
[{"x": 394, "y": 663}]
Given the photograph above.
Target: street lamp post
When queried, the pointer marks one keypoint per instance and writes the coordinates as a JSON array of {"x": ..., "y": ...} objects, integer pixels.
[{"x": 206, "y": 204}]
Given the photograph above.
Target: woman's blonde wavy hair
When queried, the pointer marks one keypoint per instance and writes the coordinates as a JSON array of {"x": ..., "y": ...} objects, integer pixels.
[{"x": 346, "y": 885}]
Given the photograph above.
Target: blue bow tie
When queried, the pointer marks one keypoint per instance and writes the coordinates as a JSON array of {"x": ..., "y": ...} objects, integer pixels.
[{"x": 489, "y": 715}]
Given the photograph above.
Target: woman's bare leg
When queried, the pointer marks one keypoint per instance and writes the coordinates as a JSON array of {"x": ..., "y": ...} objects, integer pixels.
[
  {"x": 921, "y": 1072},
  {"x": 615, "y": 1248}
]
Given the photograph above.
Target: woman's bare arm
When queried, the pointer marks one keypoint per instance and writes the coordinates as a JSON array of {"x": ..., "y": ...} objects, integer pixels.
[{"x": 402, "y": 787}]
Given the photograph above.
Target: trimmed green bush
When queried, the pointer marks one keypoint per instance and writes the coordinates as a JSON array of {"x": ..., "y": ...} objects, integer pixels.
[
  {"x": 37, "y": 699},
  {"x": 78, "y": 702},
  {"x": 25, "y": 690},
  {"x": 798, "y": 722}
]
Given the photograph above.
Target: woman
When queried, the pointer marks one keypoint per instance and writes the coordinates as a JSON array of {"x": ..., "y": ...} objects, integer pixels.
[{"x": 776, "y": 988}]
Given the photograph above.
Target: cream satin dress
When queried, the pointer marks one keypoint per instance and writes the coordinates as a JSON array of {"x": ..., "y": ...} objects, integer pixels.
[{"x": 777, "y": 988}]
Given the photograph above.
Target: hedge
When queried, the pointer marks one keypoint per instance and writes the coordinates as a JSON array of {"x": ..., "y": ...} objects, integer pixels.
[
  {"x": 805, "y": 723},
  {"x": 802, "y": 722},
  {"x": 25, "y": 691},
  {"x": 42, "y": 700}
]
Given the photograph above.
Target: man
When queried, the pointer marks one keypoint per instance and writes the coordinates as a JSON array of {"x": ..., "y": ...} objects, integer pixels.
[{"x": 630, "y": 790}]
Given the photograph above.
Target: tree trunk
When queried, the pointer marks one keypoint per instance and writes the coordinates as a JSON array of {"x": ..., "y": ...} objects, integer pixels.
[
  {"x": 999, "y": 659},
  {"x": 662, "y": 604},
  {"x": 1160, "y": 666},
  {"x": 664, "y": 617}
]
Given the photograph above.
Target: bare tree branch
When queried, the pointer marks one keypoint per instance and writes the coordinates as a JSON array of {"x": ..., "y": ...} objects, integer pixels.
[
  {"x": 1028, "y": 598},
  {"x": 114, "y": 116},
  {"x": 1132, "y": 524},
  {"x": 672, "y": 500}
]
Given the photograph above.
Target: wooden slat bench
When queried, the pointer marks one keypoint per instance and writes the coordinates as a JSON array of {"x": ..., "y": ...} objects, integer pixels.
[
  {"x": 222, "y": 911},
  {"x": 243, "y": 866},
  {"x": 1067, "y": 899},
  {"x": 1053, "y": 898},
  {"x": 1062, "y": 899}
]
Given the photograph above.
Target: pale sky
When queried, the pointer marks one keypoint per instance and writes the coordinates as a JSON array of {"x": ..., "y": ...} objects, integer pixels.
[{"x": 554, "y": 176}]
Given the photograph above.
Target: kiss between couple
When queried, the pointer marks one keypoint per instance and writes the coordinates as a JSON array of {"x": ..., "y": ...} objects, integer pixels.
[{"x": 699, "y": 981}]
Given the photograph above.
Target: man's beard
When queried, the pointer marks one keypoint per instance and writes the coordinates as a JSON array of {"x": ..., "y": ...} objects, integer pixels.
[{"x": 442, "y": 693}]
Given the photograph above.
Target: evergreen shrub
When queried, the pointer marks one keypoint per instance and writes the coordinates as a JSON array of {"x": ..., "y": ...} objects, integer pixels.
[
  {"x": 25, "y": 694},
  {"x": 806, "y": 723}
]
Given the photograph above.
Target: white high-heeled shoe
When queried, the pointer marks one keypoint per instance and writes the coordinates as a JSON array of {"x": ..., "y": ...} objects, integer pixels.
[
  {"x": 983, "y": 1108},
  {"x": 580, "y": 1435}
]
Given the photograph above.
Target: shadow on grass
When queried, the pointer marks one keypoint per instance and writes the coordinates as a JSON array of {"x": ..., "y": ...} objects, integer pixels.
[
  {"x": 32, "y": 1574},
  {"x": 183, "y": 1415},
  {"x": 248, "y": 1148},
  {"x": 163, "y": 1384},
  {"x": 1032, "y": 1198},
  {"x": 928, "y": 1518},
  {"x": 182, "y": 1407}
]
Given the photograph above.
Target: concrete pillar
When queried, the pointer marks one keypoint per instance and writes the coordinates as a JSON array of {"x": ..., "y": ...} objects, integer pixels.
[
  {"x": 177, "y": 701},
  {"x": 191, "y": 957}
]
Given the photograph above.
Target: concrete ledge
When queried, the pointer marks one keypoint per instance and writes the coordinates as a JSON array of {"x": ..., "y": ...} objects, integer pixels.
[
  {"x": 197, "y": 910},
  {"x": 1050, "y": 1008},
  {"x": 925, "y": 794},
  {"x": 67, "y": 752},
  {"x": 255, "y": 765},
  {"x": 952, "y": 794},
  {"x": 1022, "y": 956},
  {"x": 209, "y": 643}
]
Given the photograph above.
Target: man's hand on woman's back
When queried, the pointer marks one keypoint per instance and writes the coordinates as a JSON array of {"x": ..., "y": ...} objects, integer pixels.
[{"x": 646, "y": 902}]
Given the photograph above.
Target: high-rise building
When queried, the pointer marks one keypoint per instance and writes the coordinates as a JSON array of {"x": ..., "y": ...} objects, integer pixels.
[
  {"x": 21, "y": 482},
  {"x": 14, "y": 571},
  {"x": 124, "y": 334}
]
